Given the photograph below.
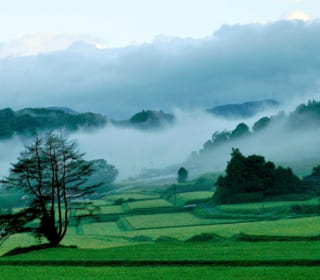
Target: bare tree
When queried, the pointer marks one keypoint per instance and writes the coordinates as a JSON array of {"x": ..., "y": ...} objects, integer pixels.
[{"x": 54, "y": 174}]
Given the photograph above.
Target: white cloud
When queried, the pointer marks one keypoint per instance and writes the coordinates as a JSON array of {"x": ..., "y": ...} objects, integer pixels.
[
  {"x": 298, "y": 15},
  {"x": 33, "y": 44}
]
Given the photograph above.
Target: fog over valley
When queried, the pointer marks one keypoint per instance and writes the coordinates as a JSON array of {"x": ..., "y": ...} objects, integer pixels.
[{"x": 132, "y": 149}]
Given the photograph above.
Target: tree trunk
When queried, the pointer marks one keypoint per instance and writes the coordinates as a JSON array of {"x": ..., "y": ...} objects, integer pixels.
[{"x": 49, "y": 230}]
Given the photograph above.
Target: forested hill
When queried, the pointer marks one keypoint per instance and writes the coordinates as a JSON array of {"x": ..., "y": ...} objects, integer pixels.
[
  {"x": 30, "y": 120},
  {"x": 147, "y": 120},
  {"x": 304, "y": 117}
]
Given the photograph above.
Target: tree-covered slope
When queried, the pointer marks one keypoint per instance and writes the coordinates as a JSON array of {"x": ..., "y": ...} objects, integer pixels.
[
  {"x": 30, "y": 120},
  {"x": 304, "y": 117},
  {"x": 147, "y": 119}
]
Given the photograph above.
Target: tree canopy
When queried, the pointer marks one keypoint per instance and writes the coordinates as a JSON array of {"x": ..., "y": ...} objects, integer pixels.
[
  {"x": 182, "y": 175},
  {"x": 252, "y": 178},
  {"x": 31, "y": 120}
]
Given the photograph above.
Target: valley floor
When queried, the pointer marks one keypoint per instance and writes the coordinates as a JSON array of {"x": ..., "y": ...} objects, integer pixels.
[{"x": 141, "y": 234}]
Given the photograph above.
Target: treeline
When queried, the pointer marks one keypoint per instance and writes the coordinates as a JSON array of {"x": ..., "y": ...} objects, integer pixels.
[{"x": 31, "y": 120}]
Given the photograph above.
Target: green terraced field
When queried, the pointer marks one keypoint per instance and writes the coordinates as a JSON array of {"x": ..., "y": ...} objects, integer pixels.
[
  {"x": 104, "y": 235},
  {"x": 169, "y": 220},
  {"x": 134, "y": 196},
  {"x": 287, "y": 227},
  {"x": 98, "y": 202},
  {"x": 145, "y": 204},
  {"x": 131, "y": 237},
  {"x": 193, "y": 197},
  {"x": 114, "y": 209},
  {"x": 259, "y": 206},
  {"x": 103, "y": 229}
]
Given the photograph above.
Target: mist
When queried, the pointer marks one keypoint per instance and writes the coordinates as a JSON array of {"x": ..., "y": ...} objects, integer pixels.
[
  {"x": 298, "y": 149},
  {"x": 132, "y": 150},
  {"x": 9, "y": 151}
]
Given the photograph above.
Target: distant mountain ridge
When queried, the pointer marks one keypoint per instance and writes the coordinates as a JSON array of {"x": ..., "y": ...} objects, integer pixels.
[
  {"x": 64, "y": 109},
  {"x": 243, "y": 110}
]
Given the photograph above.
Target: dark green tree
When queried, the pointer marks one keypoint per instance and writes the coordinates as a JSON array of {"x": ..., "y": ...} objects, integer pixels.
[
  {"x": 252, "y": 178},
  {"x": 316, "y": 170},
  {"x": 182, "y": 175},
  {"x": 53, "y": 173}
]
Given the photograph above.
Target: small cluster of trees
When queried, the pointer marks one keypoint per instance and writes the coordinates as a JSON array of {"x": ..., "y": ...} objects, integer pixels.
[{"x": 252, "y": 178}]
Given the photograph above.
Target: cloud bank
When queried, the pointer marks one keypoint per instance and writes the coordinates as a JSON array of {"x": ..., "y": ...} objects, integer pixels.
[{"x": 237, "y": 63}]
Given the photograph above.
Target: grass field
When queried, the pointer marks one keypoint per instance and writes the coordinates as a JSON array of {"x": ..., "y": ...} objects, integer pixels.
[
  {"x": 91, "y": 267},
  {"x": 160, "y": 273},
  {"x": 183, "y": 251}
]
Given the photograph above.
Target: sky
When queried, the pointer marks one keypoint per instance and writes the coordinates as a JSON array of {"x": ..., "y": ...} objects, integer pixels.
[
  {"x": 119, "y": 57},
  {"x": 115, "y": 23}
]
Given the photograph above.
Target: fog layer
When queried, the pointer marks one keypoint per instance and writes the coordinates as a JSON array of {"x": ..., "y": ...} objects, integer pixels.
[{"x": 131, "y": 150}]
